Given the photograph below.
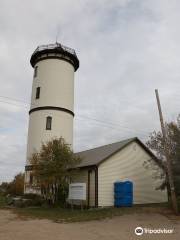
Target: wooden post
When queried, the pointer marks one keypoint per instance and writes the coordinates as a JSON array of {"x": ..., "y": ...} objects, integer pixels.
[{"x": 168, "y": 161}]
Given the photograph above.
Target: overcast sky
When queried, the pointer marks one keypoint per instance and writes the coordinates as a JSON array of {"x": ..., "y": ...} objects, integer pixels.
[{"x": 126, "y": 48}]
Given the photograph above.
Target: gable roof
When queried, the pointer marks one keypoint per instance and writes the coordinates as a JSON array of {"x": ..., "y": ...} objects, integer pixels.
[{"x": 93, "y": 157}]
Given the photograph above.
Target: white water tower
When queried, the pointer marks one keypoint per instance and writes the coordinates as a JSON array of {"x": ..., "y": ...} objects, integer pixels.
[{"x": 52, "y": 101}]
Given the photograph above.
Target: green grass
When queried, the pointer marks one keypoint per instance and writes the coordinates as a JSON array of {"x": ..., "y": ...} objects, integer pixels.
[
  {"x": 2, "y": 201},
  {"x": 58, "y": 214},
  {"x": 68, "y": 215}
]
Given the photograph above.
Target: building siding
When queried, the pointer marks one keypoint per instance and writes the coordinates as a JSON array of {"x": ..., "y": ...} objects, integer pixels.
[
  {"x": 55, "y": 78},
  {"x": 56, "y": 81},
  {"x": 62, "y": 122},
  {"x": 128, "y": 164},
  {"x": 82, "y": 177}
]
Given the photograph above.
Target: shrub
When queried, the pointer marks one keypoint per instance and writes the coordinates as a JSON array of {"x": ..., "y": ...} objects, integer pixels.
[
  {"x": 62, "y": 195},
  {"x": 33, "y": 199},
  {"x": 31, "y": 196}
]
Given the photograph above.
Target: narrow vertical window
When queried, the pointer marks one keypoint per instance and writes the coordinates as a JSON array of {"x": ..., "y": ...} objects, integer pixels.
[
  {"x": 35, "y": 71},
  {"x": 37, "y": 92},
  {"x": 48, "y": 123},
  {"x": 31, "y": 178}
]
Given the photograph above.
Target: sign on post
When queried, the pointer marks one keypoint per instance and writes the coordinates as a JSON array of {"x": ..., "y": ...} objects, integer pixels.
[{"x": 77, "y": 191}]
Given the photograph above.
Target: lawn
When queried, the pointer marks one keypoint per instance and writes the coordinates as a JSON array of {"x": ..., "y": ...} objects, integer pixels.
[
  {"x": 58, "y": 214},
  {"x": 76, "y": 215},
  {"x": 2, "y": 201}
]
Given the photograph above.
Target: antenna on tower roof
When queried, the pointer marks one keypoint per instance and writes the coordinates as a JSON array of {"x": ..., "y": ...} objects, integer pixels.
[
  {"x": 56, "y": 37},
  {"x": 57, "y": 34}
]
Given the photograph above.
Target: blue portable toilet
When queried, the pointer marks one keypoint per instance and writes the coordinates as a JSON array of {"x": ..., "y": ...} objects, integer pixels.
[
  {"x": 123, "y": 194},
  {"x": 128, "y": 187},
  {"x": 118, "y": 187}
]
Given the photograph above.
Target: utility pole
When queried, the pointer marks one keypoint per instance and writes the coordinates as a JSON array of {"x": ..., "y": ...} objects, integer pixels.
[{"x": 168, "y": 161}]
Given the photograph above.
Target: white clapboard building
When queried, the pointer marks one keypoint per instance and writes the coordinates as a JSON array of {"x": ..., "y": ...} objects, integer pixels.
[
  {"x": 51, "y": 115},
  {"x": 126, "y": 160}
]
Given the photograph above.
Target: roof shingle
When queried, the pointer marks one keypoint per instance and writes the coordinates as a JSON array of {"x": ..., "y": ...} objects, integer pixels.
[{"x": 96, "y": 155}]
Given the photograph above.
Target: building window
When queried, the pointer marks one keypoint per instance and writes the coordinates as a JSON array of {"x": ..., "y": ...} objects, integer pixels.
[
  {"x": 48, "y": 123},
  {"x": 31, "y": 178},
  {"x": 37, "y": 92},
  {"x": 35, "y": 71}
]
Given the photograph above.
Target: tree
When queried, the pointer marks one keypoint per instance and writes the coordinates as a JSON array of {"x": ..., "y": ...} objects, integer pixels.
[
  {"x": 18, "y": 184},
  {"x": 4, "y": 187},
  {"x": 15, "y": 187},
  {"x": 156, "y": 144},
  {"x": 52, "y": 168}
]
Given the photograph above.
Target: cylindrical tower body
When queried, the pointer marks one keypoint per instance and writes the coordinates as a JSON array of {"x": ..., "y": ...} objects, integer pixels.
[{"x": 52, "y": 102}]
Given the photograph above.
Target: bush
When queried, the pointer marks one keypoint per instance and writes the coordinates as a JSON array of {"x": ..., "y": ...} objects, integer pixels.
[
  {"x": 31, "y": 196},
  {"x": 62, "y": 195},
  {"x": 2, "y": 200},
  {"x": 19, "y": 203},
  {"x": 33, "y": 200},
  {"x": 9, "y": 200},
  {"x": 26, "y": 200}
]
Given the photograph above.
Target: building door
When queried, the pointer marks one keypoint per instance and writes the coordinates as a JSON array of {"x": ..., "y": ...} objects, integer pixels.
[{"x": 91, "y": 188}]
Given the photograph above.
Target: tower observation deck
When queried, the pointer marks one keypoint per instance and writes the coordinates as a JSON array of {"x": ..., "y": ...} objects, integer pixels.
[{"x": 61, "y": 51}]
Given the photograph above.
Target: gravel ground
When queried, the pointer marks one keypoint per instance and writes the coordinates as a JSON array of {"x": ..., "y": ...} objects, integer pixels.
[{"x": 117, "y": 228}]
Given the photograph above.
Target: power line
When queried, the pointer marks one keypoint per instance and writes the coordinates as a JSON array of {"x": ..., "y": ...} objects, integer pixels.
[
  {"x": 12, "y": 104},
  {"x": 28, "y": 104},
  {"x": 119, "y": 129},
  {"x": 119, "y": 100},
  {"x": 14, "y": 99},
  {"x": 112, "y": 124},
  {"x": 106, "y": 124}
]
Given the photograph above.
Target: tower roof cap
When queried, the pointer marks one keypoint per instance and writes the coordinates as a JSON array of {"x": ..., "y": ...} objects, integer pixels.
[{"x": 54, "y": 48}]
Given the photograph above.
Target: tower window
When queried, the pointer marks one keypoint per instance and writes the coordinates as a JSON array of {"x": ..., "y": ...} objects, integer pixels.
[
  {"x": 31, "y": 179},
  {"x": 48, "y": 123},
  {"x": 37, "y": 92},
  {"x": 35, "y": 71}
]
